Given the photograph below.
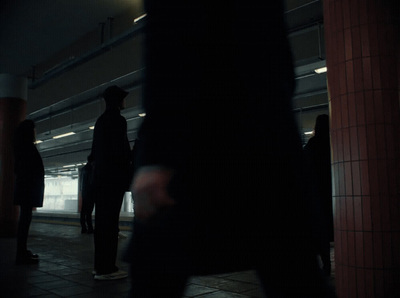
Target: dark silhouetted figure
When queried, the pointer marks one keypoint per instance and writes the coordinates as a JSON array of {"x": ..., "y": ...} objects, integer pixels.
[
  {"x": 29, "y": 186},
  {"x": 111, "y": 153},
  {"x": 318, "y": 165},
  {"x": 218, "y": 185},
  {"x": 87, "y": 196}
]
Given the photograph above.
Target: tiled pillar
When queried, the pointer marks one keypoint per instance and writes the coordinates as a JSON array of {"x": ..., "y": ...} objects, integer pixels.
[
  {"x": 362, "y": 46},
  {"x": 13, "y": 91}
]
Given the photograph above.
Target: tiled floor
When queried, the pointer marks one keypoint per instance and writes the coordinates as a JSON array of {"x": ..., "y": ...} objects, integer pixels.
[{"x": 66, "y": 263}]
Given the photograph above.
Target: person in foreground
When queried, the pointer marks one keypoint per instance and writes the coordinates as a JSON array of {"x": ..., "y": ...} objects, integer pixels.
[
  {"x": 111, "y": 155},
  {"x": 218, "y": 181},
  {"x": 29, "y": 186}
]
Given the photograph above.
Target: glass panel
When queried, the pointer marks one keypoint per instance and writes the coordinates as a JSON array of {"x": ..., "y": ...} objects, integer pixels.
[{"x": 60, "y": 194}]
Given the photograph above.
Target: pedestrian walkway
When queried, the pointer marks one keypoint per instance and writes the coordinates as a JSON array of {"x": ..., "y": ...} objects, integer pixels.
[{"x": 66, "y": 264}]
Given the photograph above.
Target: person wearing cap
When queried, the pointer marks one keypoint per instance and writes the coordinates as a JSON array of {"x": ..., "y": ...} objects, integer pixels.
[{"x": 111, "y": 154}]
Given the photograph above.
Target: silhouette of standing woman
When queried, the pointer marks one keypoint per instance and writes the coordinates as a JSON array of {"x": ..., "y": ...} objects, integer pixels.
[
  {"x": 318, "y": 159},
  {"x": 29, "y": 186}
]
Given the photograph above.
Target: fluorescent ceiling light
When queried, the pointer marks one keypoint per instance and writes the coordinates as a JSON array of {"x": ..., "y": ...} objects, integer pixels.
[
  {"x": 68, "y": 166},
  {"x": 308, "y": 132},
  {"x": 50, "y": 177},
  {"x": 142, "y": 114},
  {"x": 139, "y": 18},
  {"x": 91, "y": 127},
  {"x": 64, "y": 135},
  {"x": 321, "y": 70},
  {"x": 38, "y": 141}
]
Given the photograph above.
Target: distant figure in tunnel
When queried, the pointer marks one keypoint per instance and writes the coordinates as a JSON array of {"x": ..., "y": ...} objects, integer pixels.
[
  {"x": 86, "y": 185},
  {"x": 29, "y": 186},
  {"x": 318, "y": 166},
  {"x": 112, "y": 155},
  {"x": 218, "y": 185}
]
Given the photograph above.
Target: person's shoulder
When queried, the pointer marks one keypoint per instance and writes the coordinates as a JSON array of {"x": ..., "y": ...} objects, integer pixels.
[
  {"x": 99, "y": 120},
  {"x": 311, "y": 143},
  {"x": 120, "y": 119}
]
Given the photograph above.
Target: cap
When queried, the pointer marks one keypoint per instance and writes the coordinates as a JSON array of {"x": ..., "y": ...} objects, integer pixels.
[{"x": 114, "y": 95}]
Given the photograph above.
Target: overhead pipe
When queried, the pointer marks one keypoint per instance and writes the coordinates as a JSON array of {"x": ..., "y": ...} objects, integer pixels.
[
  {"x": 311, "y": 108},
  {"x": 128, "y": 82},
  {"x": 320, "y": 43},
  {"x": 302, "y": 6},
  {"x": 70, "y": 64},
  {"x": 311, "y": 93},
  {"x": 110, "y": 27},
  {"x": 102, "y": 24}
]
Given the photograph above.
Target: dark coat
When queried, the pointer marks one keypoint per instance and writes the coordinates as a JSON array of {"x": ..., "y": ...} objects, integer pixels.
[
  {"x": 318, "y": 171},
  {"x": 218, "y": 112},
  {"x": 29, "y": 177},
  {"x": 111, "y": 151}
]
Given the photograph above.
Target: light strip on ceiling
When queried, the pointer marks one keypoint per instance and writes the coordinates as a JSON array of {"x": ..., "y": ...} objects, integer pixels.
[
  {"x": 139, "y": 18},
  {"x": 64, "y": 135},
  {"x": 321, "y": 70}
]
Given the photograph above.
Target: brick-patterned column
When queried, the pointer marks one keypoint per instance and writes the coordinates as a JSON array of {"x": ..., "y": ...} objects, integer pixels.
[
  {"x": 362, "y": 46},
  {"x": 13, "y": 92}
]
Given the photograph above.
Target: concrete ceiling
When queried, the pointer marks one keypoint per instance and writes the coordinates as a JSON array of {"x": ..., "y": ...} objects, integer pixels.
[
  {"x": 33, "y": 31},
  {"x": 38, "y": 36}
]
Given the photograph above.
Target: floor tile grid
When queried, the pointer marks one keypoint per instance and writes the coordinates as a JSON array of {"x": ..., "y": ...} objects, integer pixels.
[{"x": 67, "y": 262}]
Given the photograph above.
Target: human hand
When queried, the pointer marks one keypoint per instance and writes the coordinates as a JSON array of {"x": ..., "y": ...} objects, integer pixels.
[{"x": 149, "y": 190}]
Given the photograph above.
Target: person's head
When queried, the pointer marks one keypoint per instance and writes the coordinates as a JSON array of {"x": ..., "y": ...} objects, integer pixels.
[
  {"x": 114, "y": 97},
  {"x": 322, "y": 125},
  {"x": 25, "y": 133},
  {"x": 90, "y": 158}
]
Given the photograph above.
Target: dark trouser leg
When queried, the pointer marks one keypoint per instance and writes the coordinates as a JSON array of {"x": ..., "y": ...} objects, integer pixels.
[
  {"x": 100, "y": 242},
  {"x": 83, "y": 219},
  {"x": 89, "y": 213},
  {"x": 325, "y": 253},
  {"x": 25, "y": 219},
  {"x": 113, "y": 230},
  {"x": 159, "y": 263},
  {"x": 86, "y": 213},
  {"x": 108, "y": 206},
  {"x": 89, "y": 221}
]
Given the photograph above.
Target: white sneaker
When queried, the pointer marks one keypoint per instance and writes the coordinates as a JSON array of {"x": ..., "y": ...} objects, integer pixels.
[{"x": 111, "y": 276}]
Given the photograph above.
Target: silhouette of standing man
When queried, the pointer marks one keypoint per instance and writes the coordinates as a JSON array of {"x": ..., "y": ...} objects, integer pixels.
[{"x": 111, "y": 153}]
